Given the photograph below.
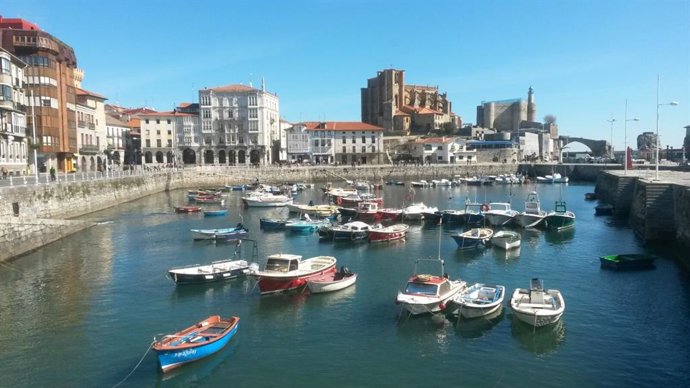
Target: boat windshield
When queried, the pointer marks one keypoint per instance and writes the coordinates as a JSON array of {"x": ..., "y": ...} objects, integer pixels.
[
  {"x": 421, "y": 288},
  {"x": 280, "y": 265}
]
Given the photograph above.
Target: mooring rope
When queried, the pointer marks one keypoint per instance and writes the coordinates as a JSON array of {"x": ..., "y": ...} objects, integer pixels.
[{"x": 137, "y": 366}]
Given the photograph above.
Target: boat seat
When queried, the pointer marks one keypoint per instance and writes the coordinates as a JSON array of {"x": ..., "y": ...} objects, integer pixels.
[{"x": 536, "y": 297}]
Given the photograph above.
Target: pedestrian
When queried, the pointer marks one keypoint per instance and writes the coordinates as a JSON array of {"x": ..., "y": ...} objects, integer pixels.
[
  {"x": 4, "y": 173},
  {"x": 52, "y": 173}
]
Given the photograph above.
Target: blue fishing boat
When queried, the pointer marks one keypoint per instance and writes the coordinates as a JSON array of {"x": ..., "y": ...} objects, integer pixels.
[
  {"x": 272, "y": 223},
  {"x": 474, "y": 213},
  {"x": 215, "y": 213},
  {"x": 195, "y": 342},
  {"x": 307, "y": 225},
  {"x": 220, "y": 234},
  {"x": 473, "y": 238}
]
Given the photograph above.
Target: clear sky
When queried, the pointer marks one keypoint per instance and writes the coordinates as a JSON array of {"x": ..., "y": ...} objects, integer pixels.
[{"x": 583, "y": 58}]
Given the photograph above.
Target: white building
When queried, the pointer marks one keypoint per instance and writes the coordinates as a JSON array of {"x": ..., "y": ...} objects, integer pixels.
[
  {"x": 160, "y": 133},
  {"x": 345, "y": 142},
  {"x": 239, "y": 125},
  {"x": 297, "y": 143},
  {"x": 91, "y": 131},
  {"x": 13, "y": 145},
  {"x": 443, "y": 150},
  {"x": 116, "y": 131}
]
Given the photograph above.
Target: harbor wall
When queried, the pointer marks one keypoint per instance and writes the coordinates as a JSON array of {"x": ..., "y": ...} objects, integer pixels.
[{"x": 19, "y": 235}]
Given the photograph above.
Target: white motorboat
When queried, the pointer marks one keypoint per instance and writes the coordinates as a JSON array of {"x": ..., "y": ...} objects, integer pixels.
[
  {"x": 537, "y": 306},
  {"x": 560, "y": 218},
  {"x": 265, "y": 199},
  {"x": 478, "y": 300},
  {"x": 415, "y": 212},
  {"x": 506, "y": 239},
  {"x": 533, "y": 215},
  {"x": 499, "y": 214},
  {"x": 216, "y": 271},
  {"x": 285, "y": 272},
  {"x": 426, "y": 293}
]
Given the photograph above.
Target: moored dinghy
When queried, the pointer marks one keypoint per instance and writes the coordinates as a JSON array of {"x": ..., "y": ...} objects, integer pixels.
[
  {"x": 426, "y": 293},
  {"x": 207, "y": 273},
  {"x": 627, "y": 261},
  {"x": 506, "y": 239},
  {"x": 473, "y": 238},
  {"x": 478, "y": 300},
  {"x": 537, "y": 306},
  {"x": 195, "y": 342},
  {"x": 285, "y": 272},
  {"x": 333, "y": 281},
  {"x": 389, "y": 233}
]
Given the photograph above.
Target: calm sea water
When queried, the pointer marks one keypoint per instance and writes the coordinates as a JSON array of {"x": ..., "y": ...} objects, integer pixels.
[{"x": 83, "y": 311}]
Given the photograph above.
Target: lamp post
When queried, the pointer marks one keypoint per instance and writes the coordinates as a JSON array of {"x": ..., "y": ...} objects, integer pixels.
[
  {"x": 611, "y": 121},
  {"x": 658, "y": 143},
  {"x": 625, "y": 140}
]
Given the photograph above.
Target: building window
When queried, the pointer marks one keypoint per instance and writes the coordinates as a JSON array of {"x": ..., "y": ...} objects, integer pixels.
[
  {"x": 158, "y": 121},
  {"x": 364, "y": 139},
  {"x": 364, "y": 149},
  {"x": 5, "y": 67},
  {"x": 147, "y": 121},
  {"x": 253, "y": 125},
  {"x": 344, "y": 140},
  {"x": 344, "y": 149},
  {"x": 206, "y": 113},
  {"x": 354, "y": 149},
  {"x": 45, "y": 102},
  {"x": 6, "y": 93},
  {"x": 169, "y": 132},
  {"x": 148, "y": 143},
  {"x": 354, "y": 139},
  {"x": 158, "y": 143},
  {"x": 252, "y": 101},
  {"x": 168, "y": 121},
  {"x": 373, "y": 139},
  {"x": 253, "y": 113},
  {"x": 158, "y": 132}
]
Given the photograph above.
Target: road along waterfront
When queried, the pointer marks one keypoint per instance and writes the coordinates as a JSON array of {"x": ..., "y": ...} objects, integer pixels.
[{"x": 87, "y": 306}]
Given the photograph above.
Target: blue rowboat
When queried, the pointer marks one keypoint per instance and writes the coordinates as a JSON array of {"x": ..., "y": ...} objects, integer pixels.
[
  {"x": 235, "y": 233},
  {"x": 195, "y": 342},
  {"x": 215, "y": 213},
  {"x": 473, "y": 238}
]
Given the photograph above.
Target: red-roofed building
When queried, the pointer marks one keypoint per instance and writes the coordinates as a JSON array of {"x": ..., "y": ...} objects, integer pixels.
[
  {"x": 168, "y": 138},
  {"x": 441, "y": 150},
  {"x": 344, "y": 142},
  {"x": 92, "y": 140},
  {"x": 398, "y": 107}
]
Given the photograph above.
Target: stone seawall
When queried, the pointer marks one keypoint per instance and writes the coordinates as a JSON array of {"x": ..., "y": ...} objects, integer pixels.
[{"x": 19, "y": 235}]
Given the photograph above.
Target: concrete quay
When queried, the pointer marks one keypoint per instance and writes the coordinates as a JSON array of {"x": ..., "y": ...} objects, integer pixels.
[{"x": 658, "y": 210}]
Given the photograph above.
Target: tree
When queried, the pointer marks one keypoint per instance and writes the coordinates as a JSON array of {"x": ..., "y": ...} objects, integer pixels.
[
  {"x": 450, "y": 127},
  {"x": 550, "y": 119}
]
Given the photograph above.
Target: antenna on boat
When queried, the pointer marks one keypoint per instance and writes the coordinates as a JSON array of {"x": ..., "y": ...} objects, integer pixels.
[{"x": 440, "y": 229}]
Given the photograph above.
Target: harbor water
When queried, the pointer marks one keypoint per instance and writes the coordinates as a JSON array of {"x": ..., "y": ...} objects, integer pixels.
[{"x": 83, "y": 311}]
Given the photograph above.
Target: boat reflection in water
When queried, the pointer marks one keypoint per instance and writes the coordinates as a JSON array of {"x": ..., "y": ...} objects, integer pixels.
[
  {"x": 557, "y": 237},
  {"x": 509, "y": 257},
  {"x": 478, "y": 327},
  {"x": 196, "y": 372},
  {"x": 542, "y": 340}
]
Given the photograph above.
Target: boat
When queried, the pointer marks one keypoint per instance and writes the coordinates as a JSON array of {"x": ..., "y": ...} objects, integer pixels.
[
  {"x": 506, "y": 239},
  {"x": 499, "y": 214},
  {"x": 265, "y": 199},
  {"x": 272, "y": 223},
  {"x": 208, "y": 273},
  {"x": 307, "y": 225},
  {"x": 313, "y": 210},
  {"x": 590, "y": 196},
  {"x": 236, "y": 187},
  {"x": 195, "y": 342},
  {"x": 220, "y": 234},
  {"x": 421, "y": 183},
  {"x": 350, "y": 231},
  {"x": 285, "y": 272},
  {"x": 561, "y": 218},
  {"x": 537, "y": 306},
  {"x": 367, "y": 211},
  {"x": 478, "y": 300},
  {"x": 473, "y": 238},
  {"x": 211, "y": 200},
  {"x": 432, "y": 217},
  {"x": 627, "y": 261},
  {"x": 389, "y": 214},
  {"x": 215, "y": 213},
  {"x": 188, "y": 209},
  {"x": 425, "y": 293},
  {"x": 533, "y": 215},
  {"x": 451, "y": 216},
  {"x": 474, "y": 212},
  {"x": 603, "y": 209},
  {"x": 332, "y": 281},
  {"x": 415, "y": 212},
  {"x": 353, "y": 200},
  {"x": 389, "y": 233}
]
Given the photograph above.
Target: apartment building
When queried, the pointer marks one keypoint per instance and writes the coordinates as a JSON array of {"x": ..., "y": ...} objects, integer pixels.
[
  {"x": 91, "y": 131},
  {"x": 50, "y": 87},
  {"x": 116, "y": 132},
  {"x": 344, "y": 142},
  {"x": 14, "y": 150},
  {"x": 160, "y": 132},
  {"x": 239, "y": 125}
]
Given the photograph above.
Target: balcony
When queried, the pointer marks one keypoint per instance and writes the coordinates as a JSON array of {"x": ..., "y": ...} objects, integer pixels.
[
  {"x": 88, "y": 150},
  {"x": 322, "y": 150}
]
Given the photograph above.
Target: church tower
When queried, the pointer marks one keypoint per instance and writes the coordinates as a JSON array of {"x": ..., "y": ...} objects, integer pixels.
[{"x": 531, "y": 106}]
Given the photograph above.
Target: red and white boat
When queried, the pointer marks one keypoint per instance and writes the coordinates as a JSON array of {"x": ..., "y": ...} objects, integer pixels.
[
  {"x": 354, "y": 200},
  {"x": 389, "y": 233},
  {"x": 367, "y": 211},
  {"x": 426, "y": 293},
  {"x": 285, "y": 272}
]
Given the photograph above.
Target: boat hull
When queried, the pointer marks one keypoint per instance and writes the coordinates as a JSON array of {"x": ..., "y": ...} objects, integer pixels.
[
  {"x": 217, "y": 271},
  {"x": 530, "y": 220},
  {"x": 317, "y": 286},
  {"x": 627, "y": 262},
  {"x": 540, "y": 314},
  {"x": 273, "y": 285},
  {"x": 478, "y": 300},
  {"x": 387, "y": 234},
  {"x": 498, "y": 219},
  {"x": 559, "y": 222}
]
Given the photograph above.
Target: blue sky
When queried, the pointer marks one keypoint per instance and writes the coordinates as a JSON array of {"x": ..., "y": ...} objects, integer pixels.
[{"x": 583, "y": 58}]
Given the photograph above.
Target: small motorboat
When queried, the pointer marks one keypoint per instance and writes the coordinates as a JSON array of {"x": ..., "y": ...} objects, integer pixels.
[
  {"x": 590, "y": 196},
  {"x": 478, "y": 300},
  {"x": 627, "y": 261},
  {"x": 332, "y": 281},
  {"x": 307, "y": 225},
  {"x": 188, "y": 209},
  {"x": 428, "y": 294},
  {"x": 220, "y": 234},
  {"x": 473, "y": 238},
  {"x": 195, "y": 342},
  {"x": 533, "y": 215},
  {"x": 537, "y": 306},
  {"x": 561, "y": 218},
  {"x": 506, "y": 239},
  {"x": 207, "y": 273},
  {"x": 603, "y": 209},
  {"x": 215, "y": 213},
  {"x": 285, "y": 272},
  {"x": 272, "y": 223},
  {"x": 474, "y": 212},
  {"x": 389, "y": 233},
  {"x": 499, "y": 214},
  {"x": 451, "y": 216},
  {"x": 415, "y": 212},
  {"x": 351, "y": 231},
  {"x": 266, "y": 199}
]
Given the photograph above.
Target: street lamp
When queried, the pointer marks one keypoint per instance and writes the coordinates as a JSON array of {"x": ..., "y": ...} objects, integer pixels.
[
  {"x": 658, "y": 143},
  {"x": 625, "y": 140},
  {"x": 612, "y": 120}
]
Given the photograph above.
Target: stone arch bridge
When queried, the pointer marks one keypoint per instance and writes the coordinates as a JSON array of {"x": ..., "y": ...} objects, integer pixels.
[{"x": 598, "y": 147}]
